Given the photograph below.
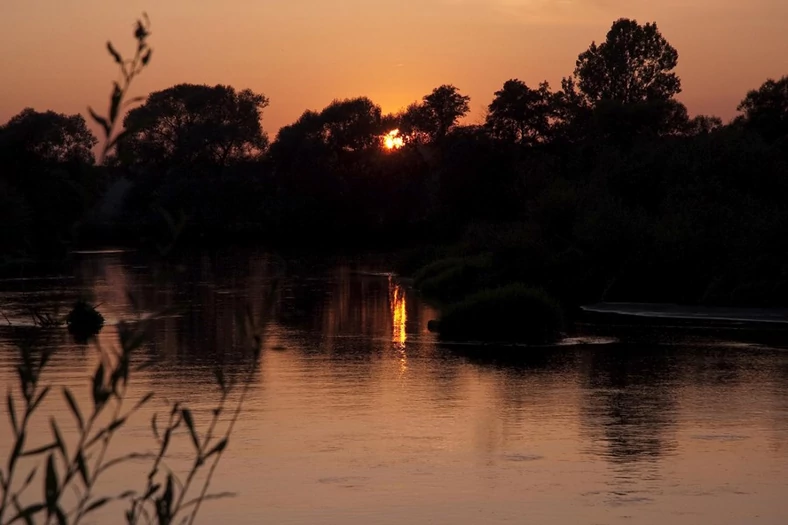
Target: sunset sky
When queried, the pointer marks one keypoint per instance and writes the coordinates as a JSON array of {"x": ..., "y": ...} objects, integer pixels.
[{"x": 304, "y": 53}]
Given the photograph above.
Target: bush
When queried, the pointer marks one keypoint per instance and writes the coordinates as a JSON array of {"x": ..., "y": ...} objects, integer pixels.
[
  {"x": 513, "y": 313},
  {"x": 453, "y": 278}
]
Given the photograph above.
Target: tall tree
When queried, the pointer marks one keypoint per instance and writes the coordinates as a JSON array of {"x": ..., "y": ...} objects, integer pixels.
[
  {"x": 352, "y": 124},
  {"x": 765, "y": 109},
  {"x": 188, "y": 124},
  {"x": 437, "y": 114},
  {"x": 521, "y": 114},
  {"x": 48, "y": 137},
  {"x": 634, "y": 64},
  {"x": 344, "y": 126}
]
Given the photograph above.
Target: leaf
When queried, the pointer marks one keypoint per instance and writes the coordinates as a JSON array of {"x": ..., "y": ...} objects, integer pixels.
[
  {"x": 147, "y": 397},
  {"x": 187, "y": 418},
  {"x": 116, "y": 424},
  {"x": 164, "y": 503},
  {"x": 39, "y": 450},
  {"x": 28, "y": 479},
  {"x": 24, "y": 381},
  {"x": 39, "y": 398},
  {"x": 99, "y": 120},
  {"x": 12, "y": 412},
  {"x": 51, "y": 485},
  {"x": 208, "y": 497},
  {"x": 74, "y": 407},
  {"x": 82, "y": 467},
  {"x": 61, "y": 516},
  {"x": 118, "y": 138},
  {"x": 99, "y": 395},
  {"x": 146, "y": 58},
  {"x": 126, "y": 104},
  {"x": 219, "y": 447},
  {"x": 27, "y": 513},
  {"x": 140, "y": 33},
  {"x": 16, "y": 453},
  {"x": 96, "y": 504},
  {"x": 114, "y": 53},
  {"x": 114, "y": 105},
  {"x": 154, "y": 427},
  {"x": 153, "y": 489},
  {"x": 59, "y": 443},
  {"x": 122, "y": 459}
]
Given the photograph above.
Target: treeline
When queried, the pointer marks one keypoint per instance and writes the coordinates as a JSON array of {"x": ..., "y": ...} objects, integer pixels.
[{"x": 603, "y": 188}]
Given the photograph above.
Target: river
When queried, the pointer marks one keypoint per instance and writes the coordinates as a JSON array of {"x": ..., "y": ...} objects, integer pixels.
[{"x": 356, "y": 415}]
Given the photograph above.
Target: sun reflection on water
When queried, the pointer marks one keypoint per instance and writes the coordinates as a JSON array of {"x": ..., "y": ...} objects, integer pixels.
[{"x": 399, "y": 316}]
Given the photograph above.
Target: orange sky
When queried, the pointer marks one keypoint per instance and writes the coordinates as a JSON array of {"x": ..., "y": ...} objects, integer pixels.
[{"x": 304, "y": 53}]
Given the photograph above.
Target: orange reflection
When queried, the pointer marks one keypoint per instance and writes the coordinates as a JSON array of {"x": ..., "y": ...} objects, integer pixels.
[{"x": 399, "y": 314}]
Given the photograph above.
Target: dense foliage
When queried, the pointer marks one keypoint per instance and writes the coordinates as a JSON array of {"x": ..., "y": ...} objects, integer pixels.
[{"x": 604, "y": 189}]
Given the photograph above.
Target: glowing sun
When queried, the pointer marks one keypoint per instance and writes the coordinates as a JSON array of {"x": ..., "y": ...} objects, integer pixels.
[{"x": 393, "y": 140}]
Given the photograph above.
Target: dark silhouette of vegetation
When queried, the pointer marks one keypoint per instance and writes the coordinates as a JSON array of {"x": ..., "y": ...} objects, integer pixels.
[
  {"x": 194, "y": 127},
  {"x": 513, "y": 313},
  {"x": 77, "y": 465},
  {"x": 84, "y": 321},
  {"x": 436, "y": 115},
  {"x": 603, "y": 189},
  {"x": 522, "y": 115},
  {"x": 634, "y": 64},
  {"x": 765, "y": 110}
]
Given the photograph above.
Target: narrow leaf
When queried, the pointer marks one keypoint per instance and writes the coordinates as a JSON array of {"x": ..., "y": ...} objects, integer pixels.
[
  {"x": 51, "y": 485},
  {"x": 122, "y": 459},
  {"x": 40, "y": 450},
  {"x": 187, "y": 418},
  {"x": 208, "y": 497},
  {"x": 114, "y": 53},
  {"x": 99, "y": 396},
  {"x": 130, "y": 102},
  {"x": 27, "y": 513},
  {"x": 146, "y": 58},
  {"x": 60, "y": 515},
  {"x": 114, "y": 105},
  {"x": 82, "y": 467},
  {"x": 12, "y": 412},
  {"x": 219, "y": 447},
  {"x": 147, "y": 397},
  {"x": 99, "y": 120},
  {"x": 61, "y": 445},
  {"x": 28, "y": 479},
  {"x": 118, "y": 138},
  {"x": 16, "y": 453},
  {"x": 39, "y": 398},
  {"x": 97, "y": 504},
  {"x": 72, "y": 404}
]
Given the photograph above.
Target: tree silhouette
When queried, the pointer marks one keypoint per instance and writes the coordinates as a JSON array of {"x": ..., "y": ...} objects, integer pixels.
[
  {"x": 344, "y": 126},
  {"x": 704, "y": 124},
  {"x": 436, "y": 115},
  {"x": 46, "y": 137},
  {"x": 521, "y": 114},
  {"x": 634, "y": 64},
  {"x": 352, "y": 124},
  {"x": 766, "y": 109},
  {"x": 47, "y": 178},
  {"x": 188, "y": 124}
]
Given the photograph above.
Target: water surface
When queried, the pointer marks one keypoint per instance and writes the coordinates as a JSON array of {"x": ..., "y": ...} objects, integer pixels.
[{"x": 356, "y": 415}]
